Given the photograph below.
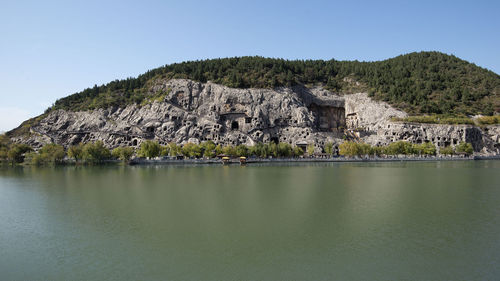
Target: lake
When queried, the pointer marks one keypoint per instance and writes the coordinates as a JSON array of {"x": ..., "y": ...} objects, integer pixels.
[{"x": 330, "y": 221}]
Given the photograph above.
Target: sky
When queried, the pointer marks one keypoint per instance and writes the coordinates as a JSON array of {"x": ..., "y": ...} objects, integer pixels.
[{"x": 51, "y": 49}]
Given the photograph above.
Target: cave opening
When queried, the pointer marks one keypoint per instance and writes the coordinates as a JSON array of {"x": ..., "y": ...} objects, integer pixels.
[
  {"x": 235, "y": 125},
  {"x": 328, "y": 118}
]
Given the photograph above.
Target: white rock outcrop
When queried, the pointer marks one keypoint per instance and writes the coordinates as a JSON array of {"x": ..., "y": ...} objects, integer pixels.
[{"x": 206, "y": 111}]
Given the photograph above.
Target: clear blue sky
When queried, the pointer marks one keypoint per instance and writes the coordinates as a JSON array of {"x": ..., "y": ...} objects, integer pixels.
[{"x": 50, "y": 49}]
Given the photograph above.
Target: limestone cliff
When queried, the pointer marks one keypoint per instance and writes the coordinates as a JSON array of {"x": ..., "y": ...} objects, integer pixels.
[{"x": 194, "y": 112}]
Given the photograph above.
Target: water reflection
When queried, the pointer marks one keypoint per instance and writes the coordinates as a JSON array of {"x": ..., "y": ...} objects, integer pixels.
[{"x": 354, "y": 220}]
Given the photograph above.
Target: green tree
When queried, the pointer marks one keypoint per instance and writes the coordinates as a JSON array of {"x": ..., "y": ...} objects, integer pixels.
[
  {"x": 164, "y": 150},
  {"x": 149, "y": 149},
  {"x": 218, "y": 150},
  {"x": 208, "y": 149},
  {"x": 377, "y": 150},
  {"x": 241, "y": 150},
  {"x": 328, "y": 148},
  {"x": 76, "y": 152},
  {"x": 272, "y": 149},
  {"x": 191, "y": 150},
  {"x": 55, "y": 152},
  {"x": 17, "y": 151},
  {"x": 364, "y": 148},
  {"x": 310, "y": 149},
  {"x": 400, "y": 147},
  {"x": 426, "y": 148},
  {"x": 4, "y": 141},
  {"x": 258, "y": 149},
  {"x": 285, "y": 149},
  {"x": 3, "y": 153},
  {"x": 123, "y": 153},
  {"x": 4, "y": 147},
  {"x": 95, "y": 152},
  {"x": 465, "y": 147},
  {"x": 447, "y": 150},
  {"x": 349, "y": 148},
  {"x": 49, "y": 154},
  {"x": 297, "y": 151},
  {"x": 229, "y": 150},
  {"x": 174, "y": 149}
]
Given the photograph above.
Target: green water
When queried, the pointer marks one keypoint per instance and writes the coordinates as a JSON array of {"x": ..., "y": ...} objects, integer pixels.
[{"x": 358, "y": 221}]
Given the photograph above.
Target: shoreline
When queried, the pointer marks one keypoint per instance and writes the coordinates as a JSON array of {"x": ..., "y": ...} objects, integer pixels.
[
  {"x": 306, "y": 160},
  {"x": 235, "y": 161}
]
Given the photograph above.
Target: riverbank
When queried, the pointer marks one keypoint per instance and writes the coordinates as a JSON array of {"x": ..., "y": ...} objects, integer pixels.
[
  {"x": 213, "y": 161},
  {"x": 142, "y": 161}
]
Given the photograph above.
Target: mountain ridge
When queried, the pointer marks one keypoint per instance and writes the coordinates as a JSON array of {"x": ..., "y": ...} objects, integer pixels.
[{"x": 418, "y": 83}]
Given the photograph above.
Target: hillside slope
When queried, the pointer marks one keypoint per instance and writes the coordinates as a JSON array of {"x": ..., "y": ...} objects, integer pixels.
[
  {"x": 252, "y": 99},
  {"x": 418, "y": 83},
  {"x": 193, "y": 112}
]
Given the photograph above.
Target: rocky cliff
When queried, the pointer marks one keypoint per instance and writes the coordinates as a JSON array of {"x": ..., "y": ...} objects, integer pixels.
[{"x": 193, "y": 112}]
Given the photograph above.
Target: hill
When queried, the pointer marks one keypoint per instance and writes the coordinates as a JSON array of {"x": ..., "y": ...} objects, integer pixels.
[{"x": 418, "y": 83}]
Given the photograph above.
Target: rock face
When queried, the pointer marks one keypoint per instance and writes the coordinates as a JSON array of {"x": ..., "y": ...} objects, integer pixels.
[
  {"x": 373, "y": 119},
  {"x": 195, "y": 112}
]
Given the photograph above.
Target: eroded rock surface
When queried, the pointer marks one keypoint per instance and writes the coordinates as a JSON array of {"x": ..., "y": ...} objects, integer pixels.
[{"x": 196, "y": 112}]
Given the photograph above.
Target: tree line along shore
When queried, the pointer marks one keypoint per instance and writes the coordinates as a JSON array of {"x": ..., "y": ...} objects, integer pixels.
[{"x": 95, "y": 153}]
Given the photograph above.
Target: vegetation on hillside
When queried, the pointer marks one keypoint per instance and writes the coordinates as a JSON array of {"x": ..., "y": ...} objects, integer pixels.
[
  {"x": 451, "y": 120},
  {"x": 437, "y": 119},
  {"x": 489, "y": 120},
  {"x": 419, "y": 83}
]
